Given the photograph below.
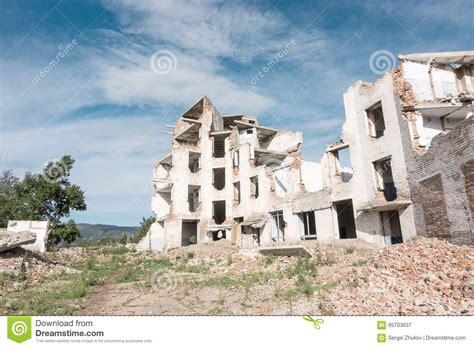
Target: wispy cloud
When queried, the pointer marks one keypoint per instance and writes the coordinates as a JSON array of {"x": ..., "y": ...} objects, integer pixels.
[{"x": 104, "y": 104}]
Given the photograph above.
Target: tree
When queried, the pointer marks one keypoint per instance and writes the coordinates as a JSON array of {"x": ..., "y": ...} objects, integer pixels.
[
  {"x": 48, "y": 195},
  {"x": 7, "y": 188}
]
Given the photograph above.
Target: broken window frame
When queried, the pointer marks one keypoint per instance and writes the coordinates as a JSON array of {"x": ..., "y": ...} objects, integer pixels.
[
  {"x": 218, "y": 152},
  {"x": 306, "y": 224},
  {"x": 254, "y": 192},
  {"x": 193, "y": 208},
  {"x": 380, "y": 169},
  {"x": 376, "y": 129},
  {"x": 198, "y": 162},
  {"x": 237, "y": 192},
  {"x": 277, "y": 219},
  {"x": 236, "y": 159}
]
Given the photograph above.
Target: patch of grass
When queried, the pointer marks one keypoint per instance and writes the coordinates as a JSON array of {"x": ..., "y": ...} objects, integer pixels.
[
  {"x": 78, "y": 289},
  {"x": 229, "y": 260},
  {"x": 350, "y": 250},
  {"x": 120, "y": 250},
  {"x": 127, "y": 276},
  {"x": 190, "y": 255},
  {"x": 305, "y": 285},
  {"x": 4, "y": 278},
  {"x": 90, "y": 263},
  {"x": 268, "y": 260},
  {"x": 183, "y": 267},
  {"x": 360, "y": 263},
  {"x": 256, "y": 278},
  {"x": 223, "y": 282},
  {"x": 304, "y": 266}
]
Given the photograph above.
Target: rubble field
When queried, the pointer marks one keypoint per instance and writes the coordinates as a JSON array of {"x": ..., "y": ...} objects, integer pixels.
[{"x": 349, "y": 277}]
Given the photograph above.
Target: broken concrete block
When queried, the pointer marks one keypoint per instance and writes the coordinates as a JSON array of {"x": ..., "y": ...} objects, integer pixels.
[
  {"x": 285, "y": 250},
  {"x": 9, "y": 240},
  {"x": 153, "y": 240},
  {"x": 39, "y": 228}
]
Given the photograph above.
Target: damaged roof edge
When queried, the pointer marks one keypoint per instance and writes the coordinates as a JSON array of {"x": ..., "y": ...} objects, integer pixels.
[{"x": 460, "y": 57}]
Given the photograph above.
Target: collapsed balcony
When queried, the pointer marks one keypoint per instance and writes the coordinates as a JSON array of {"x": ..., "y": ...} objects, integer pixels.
[
  {"x": 268, "y": 158},
  {"x": 191, "y": 132},
  {"x": 432, "y": 119}
]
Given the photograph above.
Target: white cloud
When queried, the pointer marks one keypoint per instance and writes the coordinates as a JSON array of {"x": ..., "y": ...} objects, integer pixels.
[
  {"x": 135, "y": 82},
  {"x": 114, "y": 158}
]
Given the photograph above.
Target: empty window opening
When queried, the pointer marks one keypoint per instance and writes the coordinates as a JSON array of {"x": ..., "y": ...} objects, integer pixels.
[
  {"x": 342, "y": 164},
  {"x": 384, "y": 179},
  {"x": 281, "y": 180},
  {"x": 237, "y": 192},
  {"x": 189, "y": 232},
  {"x": 219, "y": 147},
  {"x": 193, "y": 197},
  {"x": 218, "y": 212},
  {"x": 218, "y": 235},
  {"x": 218, "y": 178},
  {"x": 249, "y": 131},
  {"x": 376, "y": 121},
  {"x": 345, "y": 219},
  {"x": 236, "y": 159},
  {"x": 254, "y": 186},
  {"x": 391, "y": 228},
  {"x": 278, "y": 226},
  {"x": 307, "y": 225},
  {"x": 194, "y": 161}
]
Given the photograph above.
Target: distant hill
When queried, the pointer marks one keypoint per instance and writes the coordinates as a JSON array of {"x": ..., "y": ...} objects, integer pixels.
[{"x": 92, "y": 233}]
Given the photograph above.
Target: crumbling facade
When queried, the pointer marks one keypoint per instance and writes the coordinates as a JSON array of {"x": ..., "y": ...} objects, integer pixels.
[
  {"x": 228, "y": 178},
  {"x": 409, "y": 139}
]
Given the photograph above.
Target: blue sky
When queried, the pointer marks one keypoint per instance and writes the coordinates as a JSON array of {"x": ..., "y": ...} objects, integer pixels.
[{"x": 102, "y": 102}]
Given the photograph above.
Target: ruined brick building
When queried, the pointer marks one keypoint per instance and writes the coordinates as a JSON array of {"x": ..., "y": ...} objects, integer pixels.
[{"x": 408, "y": 139}]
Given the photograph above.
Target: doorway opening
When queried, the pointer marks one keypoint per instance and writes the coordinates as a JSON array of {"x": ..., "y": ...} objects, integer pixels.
[
  {"x": 391, "y": 228},
  {"x": 345, "y": 219},
  {"x": 189, "y": 232}
]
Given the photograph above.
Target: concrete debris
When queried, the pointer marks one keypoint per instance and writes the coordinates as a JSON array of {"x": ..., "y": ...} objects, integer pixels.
[
  {"x": 40, "y": 228},
  {"x": 422, "y": 276},
  {"x": 285, "y": 250},
  {"x": 11, "y": 240},
  {"x": 24, "y": 264}
]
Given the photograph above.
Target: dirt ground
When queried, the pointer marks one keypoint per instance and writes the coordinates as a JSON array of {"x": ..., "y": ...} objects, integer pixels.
[{"x": 424, "y": 276}]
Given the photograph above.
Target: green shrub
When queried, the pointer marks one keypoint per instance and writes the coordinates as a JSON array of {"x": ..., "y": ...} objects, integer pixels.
[{"x": 268, "y": 260}]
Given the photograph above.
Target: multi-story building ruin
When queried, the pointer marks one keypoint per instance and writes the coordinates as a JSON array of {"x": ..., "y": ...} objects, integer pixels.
[{"x": 408, "y": 138}]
